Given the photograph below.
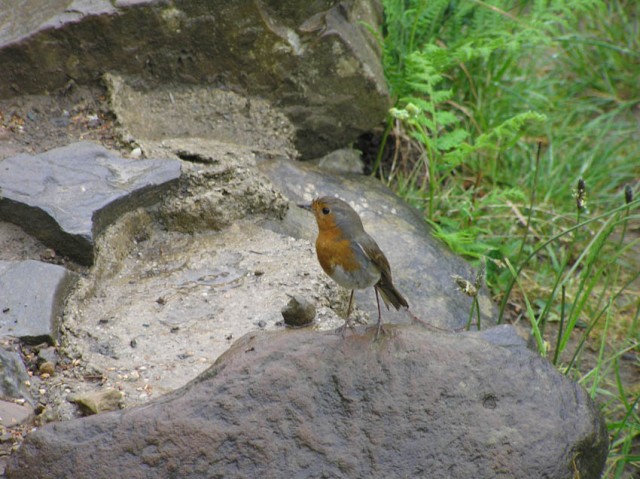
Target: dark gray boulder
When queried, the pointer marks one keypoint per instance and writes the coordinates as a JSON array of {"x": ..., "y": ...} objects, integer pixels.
[
  {"x": 32, "y": 295},
  {"x": 306, "y": 404},
  {"x": 67, "y": 196}
]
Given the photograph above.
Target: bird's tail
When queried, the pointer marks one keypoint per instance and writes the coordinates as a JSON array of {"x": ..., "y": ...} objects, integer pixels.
[{"x": 390, "y": 294}]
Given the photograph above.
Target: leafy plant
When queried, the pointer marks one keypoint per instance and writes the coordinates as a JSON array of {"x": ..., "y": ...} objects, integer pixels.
[{"x": 478, "y": 87}]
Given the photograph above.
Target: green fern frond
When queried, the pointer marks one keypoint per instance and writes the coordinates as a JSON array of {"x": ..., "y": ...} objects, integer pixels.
[{"x": 509, "y": 131}]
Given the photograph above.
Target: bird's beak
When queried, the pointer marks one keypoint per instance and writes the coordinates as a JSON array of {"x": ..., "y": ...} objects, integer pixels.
[{"x": 305, "y": 207}]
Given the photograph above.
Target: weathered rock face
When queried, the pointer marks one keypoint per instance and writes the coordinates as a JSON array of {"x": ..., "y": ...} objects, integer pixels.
[
  {"x": 309, "y": 404},
  {"x": 316, "y": 61}
]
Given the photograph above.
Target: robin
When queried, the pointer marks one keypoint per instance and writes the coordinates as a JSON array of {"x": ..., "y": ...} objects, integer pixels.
[{"x": 350, "y": 256}]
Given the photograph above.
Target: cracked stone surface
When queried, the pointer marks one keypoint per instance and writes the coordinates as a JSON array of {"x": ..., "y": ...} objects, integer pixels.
[{"x": 65, "y": 197}]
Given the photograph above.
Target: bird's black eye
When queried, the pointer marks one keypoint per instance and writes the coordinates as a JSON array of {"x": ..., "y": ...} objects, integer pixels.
[{"x": 326, "y": 211}]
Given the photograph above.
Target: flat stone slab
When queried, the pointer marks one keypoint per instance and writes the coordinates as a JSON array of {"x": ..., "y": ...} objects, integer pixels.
[
  {"x": 32, "y": 296},
  {"x": 65, "y": 197},
  {"x": 305, "y": 403}
]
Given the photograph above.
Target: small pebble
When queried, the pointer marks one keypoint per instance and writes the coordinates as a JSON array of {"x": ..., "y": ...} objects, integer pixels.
[
  {"x": 298, "y": 312},
  {"x": 96, "y": 402},
  {"x": 48, "y": 254},
  {"x": 47, "y": 354},
  {"x": 47, "y": 368}
]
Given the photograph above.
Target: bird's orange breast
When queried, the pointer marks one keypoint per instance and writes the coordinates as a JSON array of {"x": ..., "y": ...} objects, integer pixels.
[{"x": 334, "y": 250}]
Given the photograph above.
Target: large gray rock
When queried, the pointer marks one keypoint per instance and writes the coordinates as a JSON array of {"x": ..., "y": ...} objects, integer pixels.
[
  {"x": 32, "y": 296},
  {"x": 309, "y": 404},
  {"x": 317, "y": 61},
  {"x": 67, "y": 196}
]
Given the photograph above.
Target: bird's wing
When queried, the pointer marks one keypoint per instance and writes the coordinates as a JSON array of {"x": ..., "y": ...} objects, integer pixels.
[
  {"x": 371, "y": 250},
  {"x": 390, "y": 294}
]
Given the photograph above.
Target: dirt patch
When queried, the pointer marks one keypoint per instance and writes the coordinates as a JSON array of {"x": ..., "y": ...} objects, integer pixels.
[{"x": 36, "y": 123}]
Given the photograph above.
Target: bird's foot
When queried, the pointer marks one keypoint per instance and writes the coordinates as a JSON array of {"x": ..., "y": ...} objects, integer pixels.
[
  {"x": 379, "y": 330},
  {"x": 342, "y": 329}
]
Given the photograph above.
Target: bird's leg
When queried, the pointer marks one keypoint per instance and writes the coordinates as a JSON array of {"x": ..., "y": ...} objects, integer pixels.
[
  {"x": 380, "y": 327},
  {"x": 350, "y": 303},
  {"x": 347, "y": 322}
]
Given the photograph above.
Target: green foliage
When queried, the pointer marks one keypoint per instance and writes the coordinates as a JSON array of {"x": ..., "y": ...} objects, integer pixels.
[{"x": 477, "y": 86}]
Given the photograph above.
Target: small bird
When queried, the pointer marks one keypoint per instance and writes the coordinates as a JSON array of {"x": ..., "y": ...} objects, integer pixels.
[{"x": 350, "y": 256}]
